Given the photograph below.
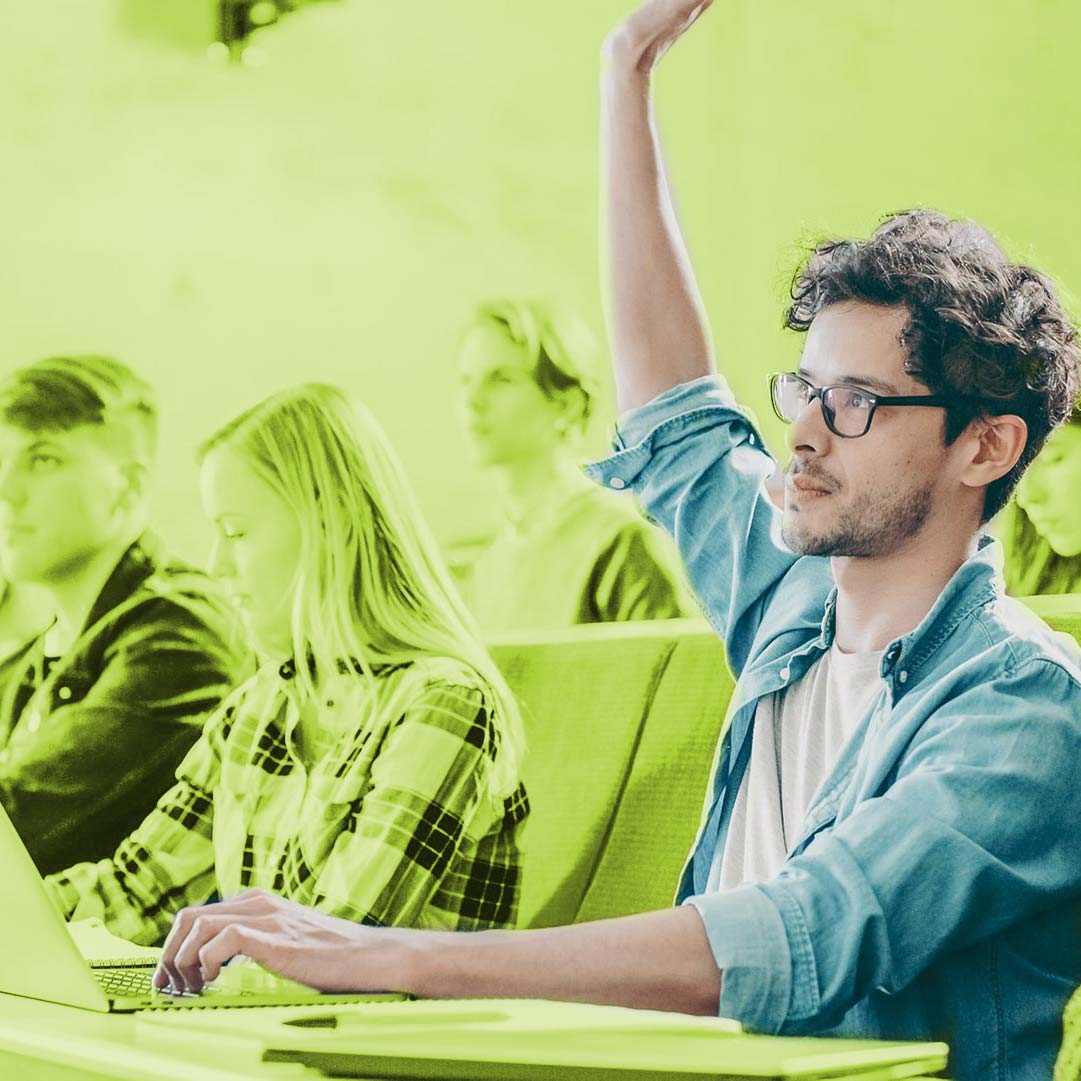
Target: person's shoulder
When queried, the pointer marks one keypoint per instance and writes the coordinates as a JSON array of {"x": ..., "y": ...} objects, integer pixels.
[
  {"x": 178, "y": 594},
  {"x": 606, "y": 507},
  {"x": 173, "y": 578},
  {"x": 453, "y": 698},
  {"x": 611, "y": 520},
  {"x": 437, "y": 670},
  {"x": 175, "y": 606},
  {"x": 446, "y": 683},
  {"x": 1023, "y": 638}
]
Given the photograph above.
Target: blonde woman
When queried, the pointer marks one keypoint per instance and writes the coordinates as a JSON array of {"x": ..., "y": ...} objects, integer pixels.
[{"x": 370, "y": 767}]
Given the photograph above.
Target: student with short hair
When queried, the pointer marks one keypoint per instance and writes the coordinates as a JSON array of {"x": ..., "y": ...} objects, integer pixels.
[
  {"x": 97, "y": 709},
  {"x": 890, "y": 840},
  {"x": 370, "y": 768},
  {"x": 566, "y": 551}
]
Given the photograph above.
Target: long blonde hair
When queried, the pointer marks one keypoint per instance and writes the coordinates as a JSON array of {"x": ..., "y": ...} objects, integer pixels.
[{"x": 370, "y": 587}]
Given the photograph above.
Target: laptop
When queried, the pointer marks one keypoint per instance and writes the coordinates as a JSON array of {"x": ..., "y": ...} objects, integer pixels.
[{"x": 41, "y": 959}]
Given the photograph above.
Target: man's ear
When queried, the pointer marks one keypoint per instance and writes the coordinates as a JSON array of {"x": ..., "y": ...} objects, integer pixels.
[
  {"x": 994, "y": 444},
  {"x": 133, "y": 493}
]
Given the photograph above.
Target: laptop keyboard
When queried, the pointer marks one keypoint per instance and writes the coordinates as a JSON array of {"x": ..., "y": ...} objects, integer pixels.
[
  {"x": 125, "y": 982},
  {"x": 134, "y": 981}
]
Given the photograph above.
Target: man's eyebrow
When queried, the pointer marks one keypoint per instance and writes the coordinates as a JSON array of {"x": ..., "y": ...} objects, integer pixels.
[
  {"x": 44, "y": 444},
  {"x": 880, "y": 386}
]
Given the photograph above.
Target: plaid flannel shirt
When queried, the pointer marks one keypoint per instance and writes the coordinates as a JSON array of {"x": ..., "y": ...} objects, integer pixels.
[{"x": 386, "y": 827}]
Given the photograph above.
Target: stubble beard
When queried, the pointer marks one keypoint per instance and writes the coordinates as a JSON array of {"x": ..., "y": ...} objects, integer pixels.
[{"x": 866, "y": 528}]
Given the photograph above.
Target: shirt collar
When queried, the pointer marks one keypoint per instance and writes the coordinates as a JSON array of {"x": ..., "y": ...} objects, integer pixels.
[
  {"x": 287, "y": 670},
  {"x": 136, "y": 565},
  {"x": 973, "y": 584}
]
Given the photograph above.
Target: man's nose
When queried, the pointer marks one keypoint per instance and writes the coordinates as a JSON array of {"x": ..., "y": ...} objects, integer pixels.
[{"x": 809, "y": 430}]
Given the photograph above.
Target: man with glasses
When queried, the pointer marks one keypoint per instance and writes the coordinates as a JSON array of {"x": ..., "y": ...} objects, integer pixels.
[{"x": 890, "y": 843}]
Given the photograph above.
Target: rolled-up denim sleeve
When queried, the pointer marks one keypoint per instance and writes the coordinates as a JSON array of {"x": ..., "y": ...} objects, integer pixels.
[
  {"x": 697, "y": 464},
  {"x": 747, "y": 935},
  {"x": 977, "y": 832}
]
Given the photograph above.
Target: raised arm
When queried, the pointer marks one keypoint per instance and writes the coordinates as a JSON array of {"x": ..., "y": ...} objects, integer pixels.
[{"x": 657, "y": 324}]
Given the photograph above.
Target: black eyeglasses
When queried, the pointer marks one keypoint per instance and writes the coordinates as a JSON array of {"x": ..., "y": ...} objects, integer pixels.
[{"x": 846, "y": 409}]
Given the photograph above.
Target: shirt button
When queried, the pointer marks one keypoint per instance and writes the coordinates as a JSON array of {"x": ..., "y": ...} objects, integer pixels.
[
  {"x": 64, "y": 694},
  {"x": 786, "y": 672},
  {"x": 902, "y": 677},
  {"x": 617, "y": 483}
]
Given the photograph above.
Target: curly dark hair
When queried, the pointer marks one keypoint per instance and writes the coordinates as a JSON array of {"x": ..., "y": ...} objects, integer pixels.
[{"x": 990, "y": 335}]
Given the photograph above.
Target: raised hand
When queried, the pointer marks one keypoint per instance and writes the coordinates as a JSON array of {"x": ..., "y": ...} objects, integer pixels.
[
  {"x": 657, "y": 322},
  {"x": 647, "y": 34}
]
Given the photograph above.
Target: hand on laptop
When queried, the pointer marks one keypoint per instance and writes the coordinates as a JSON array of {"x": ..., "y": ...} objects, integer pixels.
[{"x": 324, "y": 952}]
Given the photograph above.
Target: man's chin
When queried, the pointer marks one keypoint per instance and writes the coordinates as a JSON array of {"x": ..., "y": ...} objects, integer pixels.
[
  {"x": 804, "y": 542},
  {"x": 805, "y": 546},
  {"x": 796, "y": 538}
]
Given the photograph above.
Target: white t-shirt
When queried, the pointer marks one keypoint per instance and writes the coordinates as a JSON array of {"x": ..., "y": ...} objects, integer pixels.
[{"x": 798, "y": 736}]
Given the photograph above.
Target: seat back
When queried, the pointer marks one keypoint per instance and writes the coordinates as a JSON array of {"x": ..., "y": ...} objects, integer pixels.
[
  {"x": 657, "y": 819},
  {"x": 586, "y": 694}
]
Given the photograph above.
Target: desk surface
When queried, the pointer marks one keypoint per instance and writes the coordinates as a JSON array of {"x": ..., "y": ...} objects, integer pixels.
[
  {"x": 40, "y": 1041},
  {"x": 44, "y": 1042}
]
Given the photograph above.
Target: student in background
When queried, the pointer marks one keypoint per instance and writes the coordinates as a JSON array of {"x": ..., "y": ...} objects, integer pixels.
[
  {"x": 97, "y": 710},
  {"x": 566, "y": 551},
  {"x": 1042, "y": 531},
  {"x": 370, "y": 767}
]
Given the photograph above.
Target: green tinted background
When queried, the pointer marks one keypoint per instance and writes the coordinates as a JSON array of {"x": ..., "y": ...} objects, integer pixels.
[{"x": 336, "y": 212}]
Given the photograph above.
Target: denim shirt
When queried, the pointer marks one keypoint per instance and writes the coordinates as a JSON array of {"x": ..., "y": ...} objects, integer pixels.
[{"x": 935, "y": 890}]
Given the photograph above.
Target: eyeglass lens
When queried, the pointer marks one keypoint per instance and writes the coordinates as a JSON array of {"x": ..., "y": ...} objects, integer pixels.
[{"x": 847, "y": 410}]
